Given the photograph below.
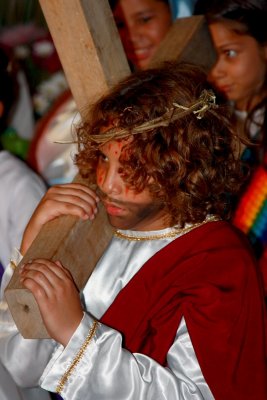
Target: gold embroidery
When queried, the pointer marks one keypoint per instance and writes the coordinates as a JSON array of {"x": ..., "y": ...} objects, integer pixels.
[
  {"x": 77, "y": 358},
  {"x": 13, "y": 265},
  {"x": 173, "y": 233}
]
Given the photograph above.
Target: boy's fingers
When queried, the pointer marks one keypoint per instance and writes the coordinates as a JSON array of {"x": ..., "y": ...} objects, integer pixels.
[{"x": 40, "y": 268}]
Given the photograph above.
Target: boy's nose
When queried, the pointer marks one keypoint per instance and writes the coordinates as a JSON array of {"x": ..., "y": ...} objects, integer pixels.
[{"x": 111, "y": 184}]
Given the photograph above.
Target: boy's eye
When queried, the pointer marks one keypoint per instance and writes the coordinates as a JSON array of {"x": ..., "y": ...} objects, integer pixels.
[
  {"x": 102, "y": 157},
  {"x": 231, "y": 53}
]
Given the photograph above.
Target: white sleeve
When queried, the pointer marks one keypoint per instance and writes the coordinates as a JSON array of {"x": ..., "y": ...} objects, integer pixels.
[
  {"x": 15, "y": 258},
  {"x": 24, "y": 359},
  {"x": 95, "y": 366}
]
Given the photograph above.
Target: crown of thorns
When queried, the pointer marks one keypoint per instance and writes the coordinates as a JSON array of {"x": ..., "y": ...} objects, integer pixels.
[{"x": 206, "y": 101}]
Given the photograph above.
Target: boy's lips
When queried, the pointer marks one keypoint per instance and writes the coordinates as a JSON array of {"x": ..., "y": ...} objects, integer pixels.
[
  {"x": 112, "y": 206},
  {"x": 113, "y": 209}
]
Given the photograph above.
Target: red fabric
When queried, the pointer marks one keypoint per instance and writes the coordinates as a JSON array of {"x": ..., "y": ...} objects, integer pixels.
[
  {"x": 209, "y": 277},
  {"x": 263, "y": 266}
]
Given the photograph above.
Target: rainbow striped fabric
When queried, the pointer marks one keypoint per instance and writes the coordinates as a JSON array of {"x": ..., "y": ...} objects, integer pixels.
[{"x": 251, "y": 213}]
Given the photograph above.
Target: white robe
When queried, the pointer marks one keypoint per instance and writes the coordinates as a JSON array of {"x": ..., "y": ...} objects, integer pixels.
[
  {"x": 106, "y": 370},
  {"x": 21, "y": 191}
]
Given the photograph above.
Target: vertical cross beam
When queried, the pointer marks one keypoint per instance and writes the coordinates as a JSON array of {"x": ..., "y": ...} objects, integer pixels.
[{"x": 93, "y": 59}]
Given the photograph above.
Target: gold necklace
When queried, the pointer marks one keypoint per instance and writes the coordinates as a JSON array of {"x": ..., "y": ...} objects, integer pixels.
[{"x": 171, "y": 234}]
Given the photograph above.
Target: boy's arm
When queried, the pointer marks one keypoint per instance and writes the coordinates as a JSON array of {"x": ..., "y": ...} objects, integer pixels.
[
  {"x": 69, "y": 199},
  {"x": 94, "y": 365}
]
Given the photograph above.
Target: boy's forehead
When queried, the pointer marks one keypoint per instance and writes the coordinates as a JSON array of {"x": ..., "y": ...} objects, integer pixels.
[
  {"x": 106, "y": 127},
  {"x": 115, "y": 145}
]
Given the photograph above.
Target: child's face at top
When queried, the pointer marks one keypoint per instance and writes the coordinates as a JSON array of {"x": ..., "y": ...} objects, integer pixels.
[
  {"x": 240, "y": 70},
  {"x": 142, "y": 25},
  {"x": 126, "y": 209}
]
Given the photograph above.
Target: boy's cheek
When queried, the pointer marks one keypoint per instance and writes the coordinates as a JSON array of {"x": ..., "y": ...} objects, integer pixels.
[{"x": 99, "y": 176}]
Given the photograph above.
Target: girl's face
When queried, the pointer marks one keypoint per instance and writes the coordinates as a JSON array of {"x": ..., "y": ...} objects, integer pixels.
[
  {"x": 142, "y": 25},
  {"x": 240, "y": 70}
]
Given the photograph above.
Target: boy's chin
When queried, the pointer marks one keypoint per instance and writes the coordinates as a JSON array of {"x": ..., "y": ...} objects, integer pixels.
[{"x": 121, "y": 223}]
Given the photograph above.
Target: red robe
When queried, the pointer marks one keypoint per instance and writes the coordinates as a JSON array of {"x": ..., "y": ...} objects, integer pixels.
[{"x": 208, "y": 276}]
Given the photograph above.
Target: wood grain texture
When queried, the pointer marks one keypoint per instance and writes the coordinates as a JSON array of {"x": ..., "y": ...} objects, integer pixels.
[
  {"x": 88, "y": 45},
  {"x": 187, "y": 40},
  {"x": 93, "y": 59},
  {"x": 77, "y": 244}
]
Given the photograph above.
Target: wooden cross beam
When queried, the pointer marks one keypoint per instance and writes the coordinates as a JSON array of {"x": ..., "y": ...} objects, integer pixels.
[
  {"x": 88, "y": 45},
  {"x": 187, "y": 40},
  {"x": 93, "y": 59}
]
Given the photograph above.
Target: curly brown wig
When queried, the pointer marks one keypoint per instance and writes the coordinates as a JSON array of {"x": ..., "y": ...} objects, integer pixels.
[{"x": 190, "y": 163}]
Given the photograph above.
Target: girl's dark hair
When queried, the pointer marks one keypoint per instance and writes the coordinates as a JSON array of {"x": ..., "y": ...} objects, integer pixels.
[
  {"x": 251, "y": 14},
  {"x": 189, "y": 164}
]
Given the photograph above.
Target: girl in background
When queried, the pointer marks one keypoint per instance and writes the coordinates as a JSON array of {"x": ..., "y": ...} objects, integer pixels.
[
  {"x": 142, "y": 25},
  {"x": 239, "y": 34}
]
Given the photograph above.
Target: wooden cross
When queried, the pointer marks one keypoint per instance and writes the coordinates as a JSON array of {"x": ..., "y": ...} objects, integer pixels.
[{"x": 93, "y": 59}]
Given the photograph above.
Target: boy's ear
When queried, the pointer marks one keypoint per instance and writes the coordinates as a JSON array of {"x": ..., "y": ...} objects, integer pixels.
[{"x": 1, "y": 108}]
